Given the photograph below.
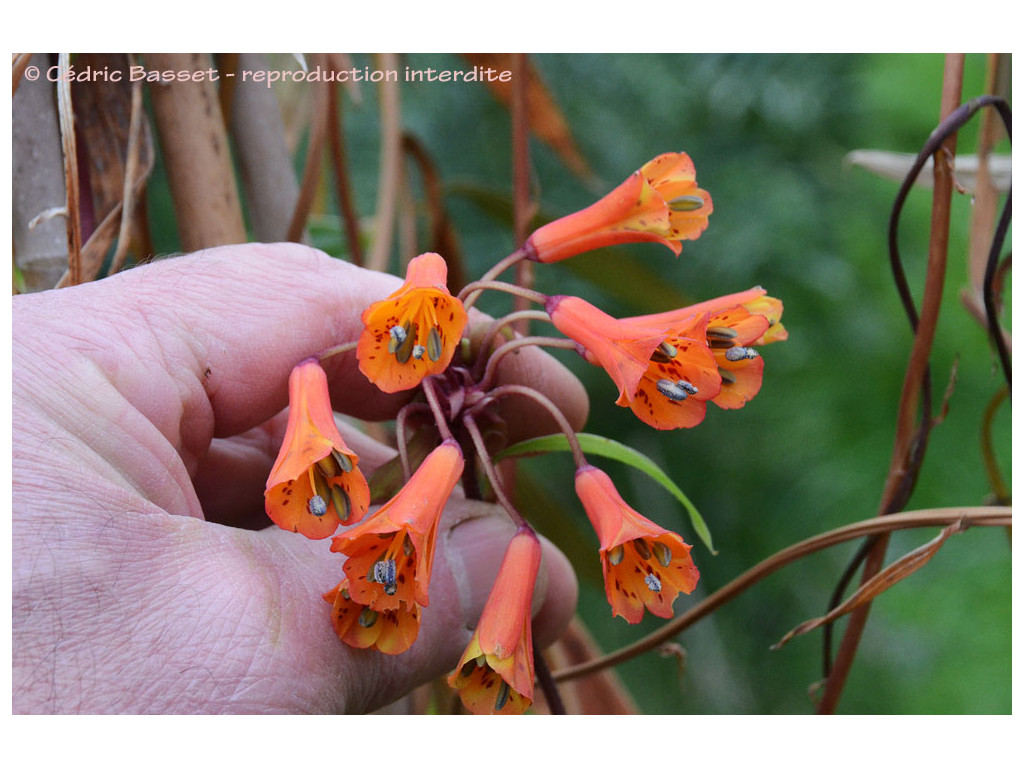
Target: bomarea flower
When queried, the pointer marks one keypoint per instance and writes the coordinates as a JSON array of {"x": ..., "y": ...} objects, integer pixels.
[
  {"x": 390, "y": 631},
  {"x": 659, "y": 203},
  {"x": 644, "y": 565},
  {"x": 412, "y": 333},
  {"x": 495, "y": 674},
  {"x": 623, "y": 349},
  {"x": 665, "y": 371},
  {"x": 736, "y": 323},
  {"x": 315, "y": 484},
  {"x": 391, "y": 553}
]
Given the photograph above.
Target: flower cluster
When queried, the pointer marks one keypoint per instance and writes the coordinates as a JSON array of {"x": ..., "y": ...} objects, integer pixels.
[
  {"x": 666, "y": 367},
  {"x": 390, "y": 556}
]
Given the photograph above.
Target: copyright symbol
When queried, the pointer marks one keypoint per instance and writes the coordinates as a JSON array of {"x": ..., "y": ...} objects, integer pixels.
[{"x": 32, "y": 72}]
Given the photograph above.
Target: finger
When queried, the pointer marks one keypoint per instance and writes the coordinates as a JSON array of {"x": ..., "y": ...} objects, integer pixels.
[
  {"x": 232, "y": 322},
  {"x": 525, "y": 417},
  {"x": 470, "y": 548},
  {"x": 231, "y": 477},
  {"x": 234, "y": 621}
]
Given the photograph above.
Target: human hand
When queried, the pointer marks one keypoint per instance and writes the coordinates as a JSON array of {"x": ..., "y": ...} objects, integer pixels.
[{"x": 147, "y": 416}]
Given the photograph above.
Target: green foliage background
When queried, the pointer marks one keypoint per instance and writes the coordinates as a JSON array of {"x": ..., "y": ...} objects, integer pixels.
[{"x": 768, "y": 134}]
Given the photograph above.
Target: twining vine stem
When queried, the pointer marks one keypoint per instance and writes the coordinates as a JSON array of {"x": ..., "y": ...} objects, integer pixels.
[{"x": 969, "y": 516}]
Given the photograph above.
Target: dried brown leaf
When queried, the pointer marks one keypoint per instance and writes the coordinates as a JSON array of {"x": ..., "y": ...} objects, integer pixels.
[
  {"x": 115, "y": 146},
  {"x": 879, "y": 583},
  {"x": 546, "y": 118}
]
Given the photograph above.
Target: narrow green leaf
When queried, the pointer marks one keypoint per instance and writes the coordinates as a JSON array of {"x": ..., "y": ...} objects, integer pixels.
[{"x": 610, "y": 449}]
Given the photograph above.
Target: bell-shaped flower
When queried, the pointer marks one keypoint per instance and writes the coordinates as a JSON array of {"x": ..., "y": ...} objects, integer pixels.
[
  {"x": 659, "y": 203},
  {"x": 622, "y": 348},
  {"x": 389, "y": 631},
  {"x": 644, "y": 565},
  {"x": 315, "y": 484},
  {"x": 736, "y": 324},
  {"x": 414, "y": 332},
  {"x": 664, "y": 371},
  {"x": 495, "y": 674},
  {"x": 391, "y": 553},
  {"x": 681, "y": 376}
]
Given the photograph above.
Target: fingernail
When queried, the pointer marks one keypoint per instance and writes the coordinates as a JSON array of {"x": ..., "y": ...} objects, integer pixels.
[{"x": 475, "y": 550}]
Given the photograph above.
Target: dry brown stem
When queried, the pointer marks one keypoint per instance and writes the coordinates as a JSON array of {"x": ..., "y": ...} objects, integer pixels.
[
  {"x": 39, "y": 197},
  {"x": 314, "y": 161},
  {"x": 986, "y": 196},
  {"x": 443, "y": 237},
  {"x": 264, "y": 162},
  {"x": 873, "y": 587},
  {"x": 905, "y": 453},
  {"x": 523, "y": 205},
  {"x": 390, "y": 166},
  {"x": 196, "y": 153},
  {"x": 544, "y": 116},
  {"x": 339, "y": 167},
  {"x": 116, "y": 158},
  {"x": 882, "y": 524},
  {"x": 72, "y": 206},
  {"x": 599, "y": 694},
  {"x": 19, "y": 63}
]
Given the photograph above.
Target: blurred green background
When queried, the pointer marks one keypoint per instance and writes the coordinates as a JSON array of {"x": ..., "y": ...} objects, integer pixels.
[{"x": 768, "y": 134}]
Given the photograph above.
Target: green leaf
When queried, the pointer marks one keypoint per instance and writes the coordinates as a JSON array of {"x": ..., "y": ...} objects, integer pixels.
[{"x": 610, "y": 449}]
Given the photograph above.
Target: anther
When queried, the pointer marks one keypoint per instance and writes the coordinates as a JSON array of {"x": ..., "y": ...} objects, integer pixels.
[
  {"x": 689, "y": 388},
  {"x": 407, "y": 547},
  {"x": 615, "y": 554},
  {"x": 727, "y": 376},
  {"x": 663, "y": 553},
  {"x": 736, "y": 354},
  {"x": 343, "y": 461},
  {"x": 384, "y": 572},
  {"x": 328, "y": 466},
  {"x": 403, "y": 350},
  {"x": 342, "y": 503},
  {"x": 642, "y": 548},
  {"x": 664, "y": 353},
  {"x": 434, "y": 344},
  {"x": 398, "y": 336},
  {"x": 721, "y": 332},
  {"x": 468, "y": 667},
  {"x": 367, "y": 618},
  {"x": 672, "y": 391},
  {"x": 685, "y": 203},
  {"x": 317, "y": 506},
  {"x": 653, "y": 582},
  {"x": 418, "y": 350},
  {"x": 503, "y": 694}
]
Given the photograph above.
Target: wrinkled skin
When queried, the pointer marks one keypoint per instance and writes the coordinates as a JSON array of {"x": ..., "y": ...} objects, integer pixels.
[{"x": 147, "y": 415}]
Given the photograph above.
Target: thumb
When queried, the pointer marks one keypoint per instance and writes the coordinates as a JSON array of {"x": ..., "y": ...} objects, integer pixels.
[{"x": 471, "y": 542}]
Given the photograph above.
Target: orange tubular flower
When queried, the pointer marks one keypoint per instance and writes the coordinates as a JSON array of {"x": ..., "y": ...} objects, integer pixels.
[
  {"x": 660, "y": 202},
  {"x": 736, "y": 323},
  {"x": 314, "y": 484},
  {"x": 495, "y": 674},
  {"x": 644, "y": 565},
  {"x": 360, "y": 626},
  {"x": 664, "y": 371},
  {"x": 681, "y": 376},
  {"x": 391, "y": 553},
  {"x": 622, "y": 348},
  {"x": 412, "y": 333}
]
